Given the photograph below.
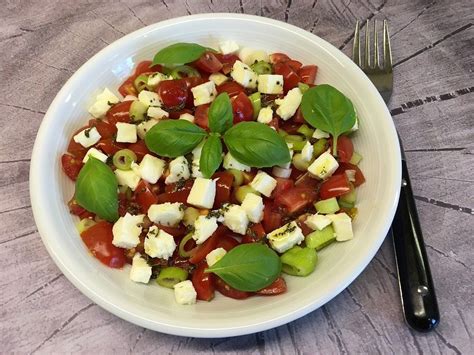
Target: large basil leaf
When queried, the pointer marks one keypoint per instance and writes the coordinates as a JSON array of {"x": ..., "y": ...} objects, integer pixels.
[
  {"x": 255, "y": 144},
  {"x": 179, "y": 53},
  {"x": 96, "y": 189},
  {"x": 220, "y": 114},
  {"x": 173, "y": 138},
  {"x": 328, "y": 109},
  {"x": 248, "y": 267},
  {"x": 211, "y": 156}
]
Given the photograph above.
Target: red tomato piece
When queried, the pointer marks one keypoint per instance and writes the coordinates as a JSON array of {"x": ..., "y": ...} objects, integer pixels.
[
  {"x": 255, "y": 233},
  {"x": 109, "y": 146},
  {"x": 223, "y": 187},
  {"x": 272, "y": 219},
  {"x": 173, "y": 93},
  {"x": 175, "y": 114},
  {"x": 208, "y": 63},
  {"x": 345, "y": 149},
  {"x": 296, "y": 199},
  {"x": 335, "y": 186},
  {"x": 227, "y": 61},
  {"x": 298, "y": 117},
  {"x": 278, "y": 58},
  {"x": 98, "y": 240},
  {"x": 77, "y": 149},
  {"x": 180, "y": 195},
  {"x": 140, "y": 149},
  {"x": 282, "y": 186},
  {"x": 119, "y": 113},
  {"x": 105, "y": 129},
  {"x": 77, "y": 210},
  {"x": 124, "y": 204},
  {"x": 127, "y": 88},
  {"x": 230, "y": 87},
  {"x": 290, "y": 78},
  {"x": 203, "y": 282},
  {"x": 201, "y": 116},
  {"x": 71, "y": 166},
  {"x": 300, "y": 221},
  {"x": 308, "y": 73},
  {"x": 178, "y": 231},
  {"x": 227, "y": 242},
  {"x": 307, "y": 181},
  {"x": 229, "y": 291},
  {"x": 199, "y": 253},
  {"x": 359, "y": 176},
  {"x": 294, "y": 64},
  {"x": 290, "y": 126},
  {"x": 275, "y": 123},
  {"x": 242, "y": 108},
  {"x": 144, "y": 196},
  {"x": 277, "y": 287}
]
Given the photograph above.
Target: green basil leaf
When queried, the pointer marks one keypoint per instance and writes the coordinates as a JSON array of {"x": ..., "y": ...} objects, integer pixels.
[
  {"x": 178, "y": 53},
  {"x": 248, "y": 267},
  {"x": 173, "y": 138},
  {"x": 255, "y": 144},
  {"x": 96, "y": 189},
  {"x": 220, "y": 114},
  {"x": 211, "y": 156},
  {"x": 328, "y": 109}
]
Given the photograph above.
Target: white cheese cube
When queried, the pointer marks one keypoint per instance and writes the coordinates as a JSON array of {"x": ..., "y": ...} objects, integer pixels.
[
  {"x": 204, "y": 93},
  {"x": 140, "y": 271},
  {"x": 245, "y": 76},
  {"x": 198, "y": 150},
  {"x": 231, "y": 163},
  {"x": 342, "y": 225},
  {"x": 281, "y": 172},
  {"x": 324, "y": 166},
  {"x": 318, "y": 134},
  {"x": 263, "y": 183},
  {"x": 187, "y": 117},
  {"x": 179, "y": 169},
  {"x": 108, "y": 96},
  {"x": 149, "y": 98},
  {"x": 270, "y": 83},
  {"x": 317, "y": 221},
  {"x": 204, "y": 227},
  {"x": 103, "y": 103},
  {"x": 159, "y": 244},
  {"x": 96, "y": 154},
  {"x": 292, "y": 152},
  {"x": 289, "y": 104},
  {"x": 157, "y": 113},
  {"x": 155, "y": 78},
  {"x": 130, "y": 98},
  {"x": 285, "y": 237},
  {"x": 214, "y": 256},
  {"x": 87, "y": 137},
  {"x": 127, "y": 230},
  {"x": 228, "y": 47},
  {"x": 307, "y": 152},
  {"x": 150, "y": 168},
  {"x": 235, "y": 218},
  {"x": 202, "y": 193},
  {"x": 196, "y": 170},
  {"x": 145, "y": 126},
  {"x": 166, "y": 214},
  {"x": 184, "y": 293},
  {"x": 253, "y": 207},
  {"x": 127, "y": 178},
  {"x": 265, "y": 115},
  {"x": 126, "y": 132},
  {"x": 218, "y": 78},
  {"x": 250, "y": 55}
]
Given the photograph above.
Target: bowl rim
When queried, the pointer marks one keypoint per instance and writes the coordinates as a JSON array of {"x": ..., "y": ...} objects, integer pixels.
[{"x": 40, "y": 214}]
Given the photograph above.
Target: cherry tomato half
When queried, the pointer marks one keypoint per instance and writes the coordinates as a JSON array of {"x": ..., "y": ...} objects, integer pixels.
[
  {"x": 242, "y": 108},
  {"x": 229, "y": 291},
  {"x": 144, "y": 196},
  {"x": 335, "y": 186},
  {"x": 230, "y": 87},
  {"x": 223, "y": 187},
  {"x": 71, "y": 166},
  {"x": 277, "y": 287},
  {"x": 119, "y": 113},
  {"x": 290, "y": 77},
  {"x": 203, "y": 282},
  {"x": 296, "y": 199},
  {"x": 173, "y": 93},
  {"x": 208, "y": 63},
  {"x": 308, "y": 73},
  {"x": 345, "y": 149},
  {"x": 359, "y": 176}
]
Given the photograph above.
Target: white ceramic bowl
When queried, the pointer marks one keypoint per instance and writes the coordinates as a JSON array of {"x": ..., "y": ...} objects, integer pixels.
[{"x": 152, "y": 306}]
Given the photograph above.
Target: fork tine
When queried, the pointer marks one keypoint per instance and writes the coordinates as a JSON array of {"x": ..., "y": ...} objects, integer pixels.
[
  {"x": 356, "y": 46},
  {"x": 367, "y": 46},
  {"x": 376, "y": 46},
  {"x": 387, "y": 51}
]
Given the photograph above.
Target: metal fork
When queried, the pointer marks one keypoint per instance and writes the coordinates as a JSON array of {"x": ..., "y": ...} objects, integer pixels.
[{"x": 419, "y": 304}]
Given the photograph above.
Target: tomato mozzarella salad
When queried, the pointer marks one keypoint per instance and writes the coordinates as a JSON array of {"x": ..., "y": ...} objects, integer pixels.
[{"x": 223, "y": 173}]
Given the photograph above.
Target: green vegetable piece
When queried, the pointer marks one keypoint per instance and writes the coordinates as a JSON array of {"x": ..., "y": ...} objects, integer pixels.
[
  {"x": 345, "y": 204},
  {"x": 326, "y": 108},
  {"x": 170, "y": 276},
  {"x": 298, "y": 146},
  {"x": 141, "y": 82},
  {"x": 327, "y": 206},
  {"x": 262, "y": 67},
  {"x": 282, "y": 132},
  {"x": 211, "y": 156},
  {"x": 220, "y": 114},
  {"x": 96, "y": 189},
  {"x": 179, "y": 53},
  {"x": 349, "y": 197},
  {"x": 84, "y": 224},
  {"x": 138, "y": 111},
  {"x": 320, "y": 239},
  {"x": 238, "y": 177},
  {"x": 303, "y": 87},
  {"x": 184, "y": 71},
  {"x": 320, "y": 147},
  {"x": 182, "y": 245},
  {"x": 300, "y": 163},
  {"x": 256, "y": 100},
  {"x": 255, "y": 144},
  {"x": 124, "y": 158},
  {"x": 174, "y": 138},
  {"x": 242, "y": 191},
  {"x": 293, "y": 138},
  {"x": 190, "y": 216},
  {"x": 248, "y": 267},
  {"x": 306, "y": 131},
  {"x": 355, "y": 159},
  {"x": 299, "y": 261}
]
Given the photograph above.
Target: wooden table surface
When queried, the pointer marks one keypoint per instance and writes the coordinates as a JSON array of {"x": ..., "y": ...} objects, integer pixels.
[{"x": 43, "y": 42}]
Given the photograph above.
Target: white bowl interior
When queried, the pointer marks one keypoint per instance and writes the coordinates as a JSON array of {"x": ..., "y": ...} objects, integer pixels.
[{"x": 152, "y": 306}]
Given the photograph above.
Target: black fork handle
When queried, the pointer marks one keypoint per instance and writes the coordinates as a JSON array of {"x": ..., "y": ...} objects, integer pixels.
[{"x": 414, "y": 276}]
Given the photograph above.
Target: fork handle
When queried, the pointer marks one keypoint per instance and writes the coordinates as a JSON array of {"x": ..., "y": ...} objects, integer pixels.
[{"x": 414, "y": 276}]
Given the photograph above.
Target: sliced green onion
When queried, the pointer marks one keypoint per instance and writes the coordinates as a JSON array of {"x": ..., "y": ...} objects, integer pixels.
[
  {"x": 238, "y": 177},
  {"x": 355, "y": 159},
  {"x": 256, "y": 100},
  {"x": 124, "y": 158},
  {"x": 138, "y": 111},
  {"x": 293, "y": 138},
  {"x": 299, "y": 261},
  {"x": 170, "y": 276},
  {"x": 320, "y": 239},
  {"x": 184, "y": 71},
  {"x": 320, "y": 147},
  {"x": 190, "y": 216},
  {"x": 303, "y": 87},
  {"x": 262, "y": 67},
  {"x": 182, "y": 246},
  {"x": 242, "y": 191},
  {"x": 305, "y": 130},
  {"x": 327, "y": 206},
  {"x": 141, "y": 82},
  {"x": 299, "y": 162},
  {"x": 84, "y": 224}
]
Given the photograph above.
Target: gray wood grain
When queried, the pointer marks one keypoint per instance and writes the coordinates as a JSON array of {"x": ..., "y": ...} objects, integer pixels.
[{"x": 43, "y": 42}]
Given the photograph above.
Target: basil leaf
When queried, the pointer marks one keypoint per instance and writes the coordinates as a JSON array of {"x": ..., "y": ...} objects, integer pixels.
[
  {"x": 211, "y": 156},
  {"x": 173, "y": 138},
  {"x": 248, "y": 267},
  {"x": 255, "y": 144},
  {"x": 220, "y": 114},
  {"x": 328, "y": 109},
  {"x": 96, "y": 189},
  {"x": 178, "y": 53}
]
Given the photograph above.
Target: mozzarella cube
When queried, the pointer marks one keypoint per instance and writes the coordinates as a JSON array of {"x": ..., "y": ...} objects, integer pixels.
[
  {"x": 126, "y": 132},
  {"x": 318, "y": 134},
  {"x": 204, "y": 227},
  {"x": 228, "y": 47},
  {"x": 324, "y": 166},
  {"x": 202, "y": 193},
  {"x": 231, "y": 163},
  {"x": 307, "y": 152},
  {"x": 292, "y": 152},
  {"x": 218, "y": 78},
  {"x": 184, "y": 292},
  {"x": 265, "y": 115},
  {"x": 263, "y": 183},
  {"x": 198, "y": 150},
  {"x": 166, "y": 214},
  {"x": 127, "y": 178},
  {"x": 214, "y": 256},
  {"x": 250, "y": 55},
  {"x": 87, "y": 137},
  {"x": 245, "y": 76},
  {"x": 127, "y": 230},
  {"x": 140, "y": 271},
  {"x": 342, "y": 225},
  {"x": 204, "y": 93},
  {"x": 155, "y": 78},
  {"x": 270, "y": 84},
  {"x": 145, "y": 126},
  {"x": 96, "y": 154},
  {"x": 149, "y": 98},
  {"x": 103, "y": 103},
  {"x": 157, "y": 113},
  {"x": 179, "y": 169},
  {"x": 289, "y": 104},
  {"x": 281, "y": 172},
  {"x": 235, "y": 218},
  {"x": 108, "y": 96},
  {"x": 253, "y": 207},
  {"x": 187, "y": 117},
  {"x": 159, "y": 244},
  {"x": 285, "y": 237},
  {"x": 150, "y": 169},
  {"x": 196, "y": 169},
  {"x": 317, "y": 221}
]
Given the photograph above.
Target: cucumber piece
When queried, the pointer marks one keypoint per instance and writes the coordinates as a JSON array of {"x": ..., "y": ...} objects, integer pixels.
[
  {"x": 138, "y": 111},
  {"x": 238, "y": 177},
  {"x": 170, "y": 276},
  {"x": 345, "y": 204},
  {"x": 305, "y": 130},
  {"x": 282, "y": 133},
  {"x": 320, "y": 239},
  {"x": 242, "y": 191},
  {"x": 293, "y": 138},
  {"x": 299, "y": 261},
  {"x": 299, "y": 163},
  {"x": 262, "y": 67},
  {"x": 355, "y": 159},
  {"x": 141, "y": 82},
  {"x": 327, "y": 206},
  {"x": 350, "y": 197},
  {"x": 84, "y": 224},
  {"x": 303, "y": 87},
  {"x": 298, "y": 146},
  {"x": 256, "y": 100},
  {"x": 320, "y": 147}
]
